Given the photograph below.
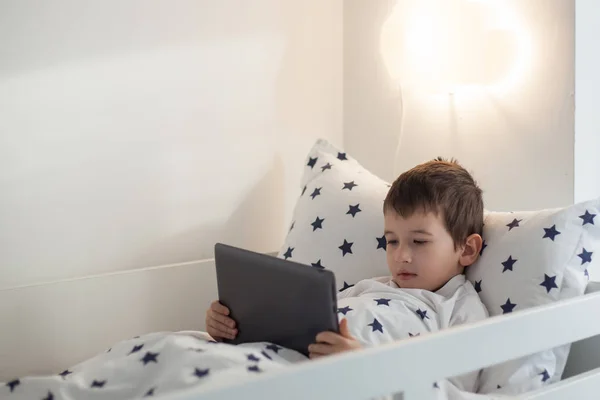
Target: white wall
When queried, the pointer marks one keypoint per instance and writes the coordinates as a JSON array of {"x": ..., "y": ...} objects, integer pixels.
[
  {"x": 139, "y": 133},
  {"x": 587, "y": 117},
  {"x": 518, "y": 143},
  {"x": 48, "y": 328}
]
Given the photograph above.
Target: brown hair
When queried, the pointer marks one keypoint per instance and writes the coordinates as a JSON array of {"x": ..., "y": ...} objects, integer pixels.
[{"x": 442, "y": 187}]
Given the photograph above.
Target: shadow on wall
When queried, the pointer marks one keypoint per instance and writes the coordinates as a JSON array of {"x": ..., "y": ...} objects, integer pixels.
[
  {"x": 251, "y": 225},
  {"x": 289, "y": 128},
  {"x": 372, "y": 106},
  {"x": 254, "y": 223}
]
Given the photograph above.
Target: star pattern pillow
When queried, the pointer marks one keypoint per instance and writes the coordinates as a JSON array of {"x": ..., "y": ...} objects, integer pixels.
[
  {"x": 531, "y": 259},
  {"x": 338, "y": 218}
]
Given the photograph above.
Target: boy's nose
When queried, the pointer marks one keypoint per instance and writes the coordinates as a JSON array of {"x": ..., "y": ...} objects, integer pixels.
[{"x": 402, "y": 254}]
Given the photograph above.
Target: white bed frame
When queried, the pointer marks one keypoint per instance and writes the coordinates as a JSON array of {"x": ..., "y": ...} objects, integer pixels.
[
  {"x": 49, "y": 327},
  {"x": 381, "y": 371}
]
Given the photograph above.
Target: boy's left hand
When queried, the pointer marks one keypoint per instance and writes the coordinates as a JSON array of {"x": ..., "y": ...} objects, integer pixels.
[{"x": 330, "y": 342}]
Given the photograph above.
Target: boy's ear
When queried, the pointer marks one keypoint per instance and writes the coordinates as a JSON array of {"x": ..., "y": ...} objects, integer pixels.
[{"x": 471, "y": 250}]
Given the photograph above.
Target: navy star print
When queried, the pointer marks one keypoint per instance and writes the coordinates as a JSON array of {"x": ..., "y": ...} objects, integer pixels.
[
  {"x": 318, "y": 223},
  {"x": 198, "y": 350},
  {"x": 150, "y": 357},
  {"x": 342, "y": 156},
  {"x": 346, "y": 286},
  {"x": 545, "y": 375},
  {"x": 483, "y": 246},
  {"x": 344, "y": 310},
  {"x": 513, "y": 224},
  {"x": 98, "y": 384},
  {"x": 316, "y": 192},
  {"x": 65, "y": 373},
  {"x": 587, "y": 218},
  {"x": 50, "y": 396},
  {"x": 376, "y": 325},
  {"x": 252, "y": 357},
  {"x": 13, "y": 384},
  {"x": 317, "y": 264},
  {"x": 477, "y": 286},
  {"x": 254, "y": 368},
  {"x": 422, "y": 314},
  {"x": 346, "y": 247},
  {"x": 381, "y": 243},
  {"x": 413, "y": 335},
  {"x": 354, "y": 210},
  {"x": 136, "y": 348},
  {"x": 507, "y": 307},
  {"x": 551, "y": 232},
  {"x": 274, "y": 348},
  {"x": 508, "y": 264},
  {"x": 292, "y": 226},
  {"x": 288, "y": 253},
  {"x": 326, "y": 166},
  {"x": 150, "y": 392},
  {"x": 383, "y": 302},
  {"x": 264, "y": 353},
  {"x": 312, "y": 162},
  {"x": 349, "y": 185},
  {"x": 586, "y": 256},
  {"x": 303, "y": 190},
  {"x": 549, "y": 283},
  {"x": 201, "y": 373}
]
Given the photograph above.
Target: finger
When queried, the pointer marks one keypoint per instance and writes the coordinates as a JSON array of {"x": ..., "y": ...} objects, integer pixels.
[
  {"x": 215, "y": 333},
  {"x": 328, "y": 337},
  {"x": 222, "y": 330},
  {"x": 224, "y": 320},
  {"x": 319, "y": 348},
  {"x": 222, "y": 327},
  {"x": 344, "y": 330},
  {"x": 219, "y": 308},
  {"x": 313, "y": 356}
]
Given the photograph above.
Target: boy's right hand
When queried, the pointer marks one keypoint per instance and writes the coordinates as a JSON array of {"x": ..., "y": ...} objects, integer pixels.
[{"x": 218, "y": 324}]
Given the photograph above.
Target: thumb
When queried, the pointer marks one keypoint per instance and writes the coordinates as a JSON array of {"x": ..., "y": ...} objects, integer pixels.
[{"x": 344, "y": 331}]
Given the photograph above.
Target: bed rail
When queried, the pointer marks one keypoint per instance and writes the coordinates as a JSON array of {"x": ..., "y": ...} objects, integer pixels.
[
  {"x": 412, "y": 366},
  {"x": 580, "y": 387}
]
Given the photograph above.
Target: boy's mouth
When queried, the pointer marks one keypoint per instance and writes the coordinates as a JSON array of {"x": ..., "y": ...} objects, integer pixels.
[{"x": 406, "y": 276}]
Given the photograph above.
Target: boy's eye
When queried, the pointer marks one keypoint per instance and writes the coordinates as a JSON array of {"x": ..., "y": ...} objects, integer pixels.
[
  {"x": 420, "y": 241},
  {"x": 392, "y": 242}
]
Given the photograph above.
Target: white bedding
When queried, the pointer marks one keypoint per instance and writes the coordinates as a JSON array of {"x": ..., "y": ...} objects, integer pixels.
[
  {"x": 379, "y": 312},
  {"x": 154, "y": 364},
  {"x": 160, "y": 363}
]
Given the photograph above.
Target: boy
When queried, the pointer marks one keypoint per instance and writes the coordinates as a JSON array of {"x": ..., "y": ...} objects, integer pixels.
[{"x": 433, "y": 217}]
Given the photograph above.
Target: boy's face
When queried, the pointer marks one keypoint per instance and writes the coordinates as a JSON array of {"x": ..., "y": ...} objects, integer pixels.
[{"x": 421, "y": 253}]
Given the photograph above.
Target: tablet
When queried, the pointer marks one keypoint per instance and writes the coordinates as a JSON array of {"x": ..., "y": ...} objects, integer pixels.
[{"x": 275, "y": 300}]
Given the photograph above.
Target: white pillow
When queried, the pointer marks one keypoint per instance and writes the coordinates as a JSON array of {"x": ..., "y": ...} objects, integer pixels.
[
  {"x": 338, "y": 218},
  {"x": 530, "y": 259}
]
